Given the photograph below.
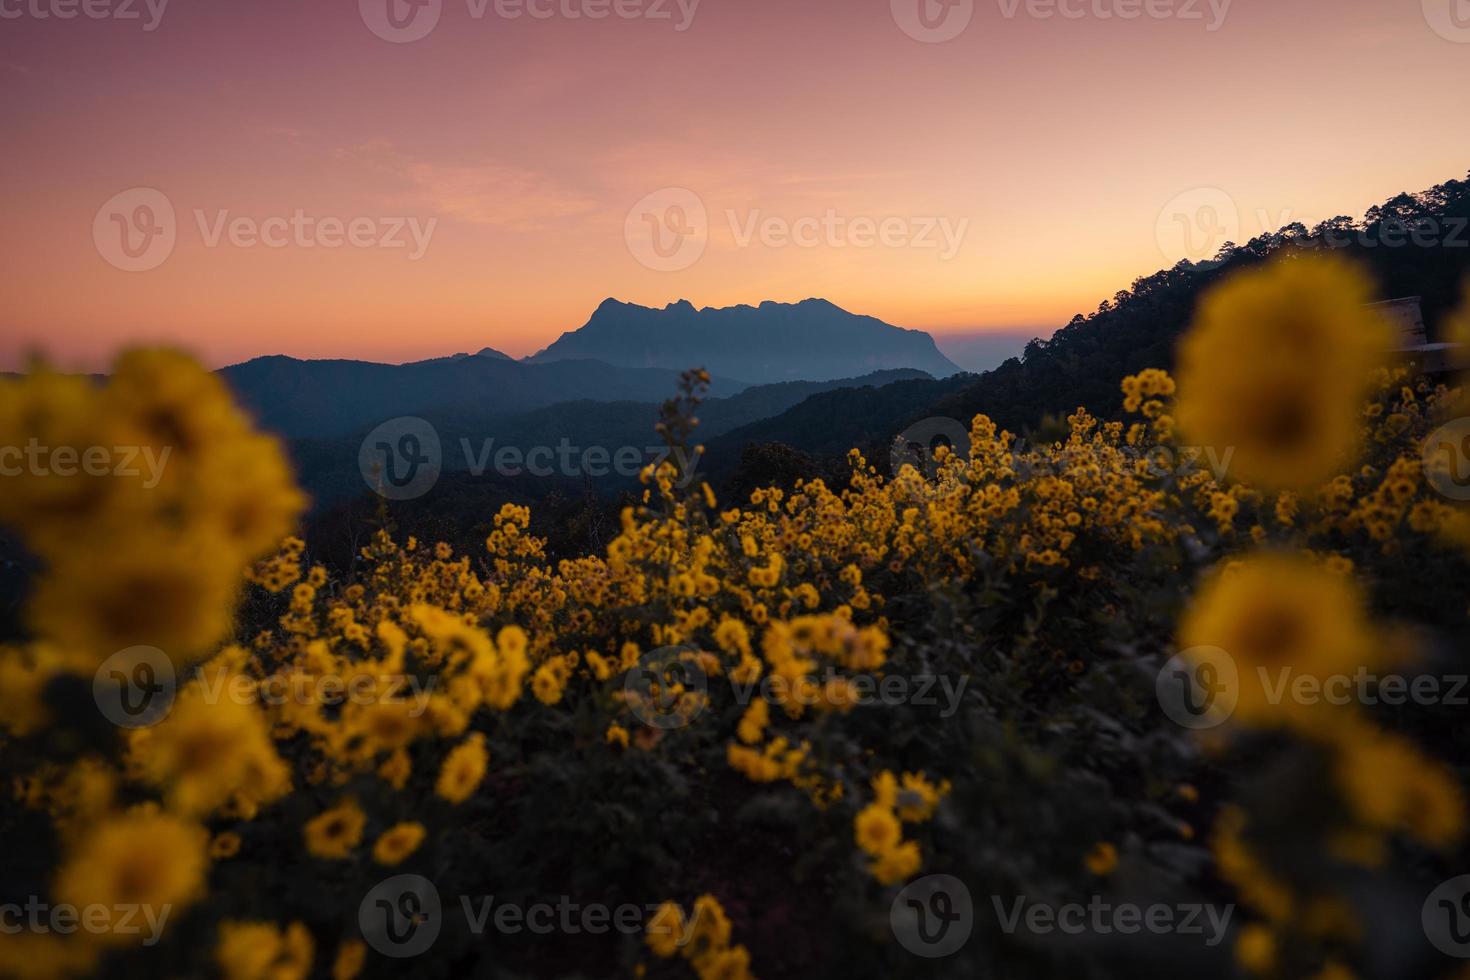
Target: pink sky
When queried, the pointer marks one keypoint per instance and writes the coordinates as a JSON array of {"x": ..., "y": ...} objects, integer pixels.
[{"x": 1050, "y": 148}]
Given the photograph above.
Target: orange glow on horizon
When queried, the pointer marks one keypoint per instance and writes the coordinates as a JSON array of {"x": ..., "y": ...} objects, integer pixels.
[{"x": 1055, "y": 145}]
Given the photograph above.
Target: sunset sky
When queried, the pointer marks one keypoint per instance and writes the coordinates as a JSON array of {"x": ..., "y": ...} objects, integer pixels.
[{"x": 1051, "y": 149}]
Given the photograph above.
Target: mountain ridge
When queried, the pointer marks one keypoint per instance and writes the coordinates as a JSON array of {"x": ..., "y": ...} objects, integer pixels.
[{"x": 812, "y": 340}]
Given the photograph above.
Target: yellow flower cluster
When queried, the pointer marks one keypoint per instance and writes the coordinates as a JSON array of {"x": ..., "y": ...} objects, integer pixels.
[
  {"x": 703, "y": 940},
  {"x": 767, "y": 620}
]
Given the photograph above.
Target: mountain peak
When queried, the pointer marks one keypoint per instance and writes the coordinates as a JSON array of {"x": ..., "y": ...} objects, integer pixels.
[{"x": 810, "y": 340}]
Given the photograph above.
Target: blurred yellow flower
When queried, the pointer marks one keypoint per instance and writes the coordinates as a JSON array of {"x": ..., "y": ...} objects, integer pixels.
[
  {"x": 398, "y": 842},
  {"x": 463, "y": 769},
  {"x": 142, "y": 859},
  {"x": 1275, "y": 367},
  {"x": 334, "y": 833}
]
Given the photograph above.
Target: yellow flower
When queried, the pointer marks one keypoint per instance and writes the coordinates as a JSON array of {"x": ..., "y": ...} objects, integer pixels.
[
  {"x": 918, "y": 798},
  {"x": 398, "y": 842},
  {"x": 1275, "y": 368},
  {"x": 617, "y": 735},
  {"x": 209, "y": 751},
  {"x": 261, "y": 951},
  {"x": 334, "y": 833},
  {"x": 877, "y": 829},
  {"x": 396, "y": 769},
  {"x": 351, "y": 956},
  {"x": 1390, "y": 785},
  {"x": 142, "y": 859},
  {"x": 463, "y": 769},
  {"x": 1255, "y": 949},
  {"x": 725, "y": 964},
  {"x": 168, "y": 592},
  {"x": 753, "y": 722},
  {"x": 224, "y": 845},
  {"x": 44, "y": 956},
  {"x": 546, "y": 684},
  {"x": 665, "y": 930},
  {"x": 896, "y": 864},
  {"x": 1102, "y": 860},
  {"x": 1270, "y": 621}
]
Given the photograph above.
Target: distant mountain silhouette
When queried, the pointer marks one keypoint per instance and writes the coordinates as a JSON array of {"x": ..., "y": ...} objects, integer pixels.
[
  {"x": 487, "y": 352},
  {"x": 298, "y": 398},
  {"x": 808, "y": 341}
]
